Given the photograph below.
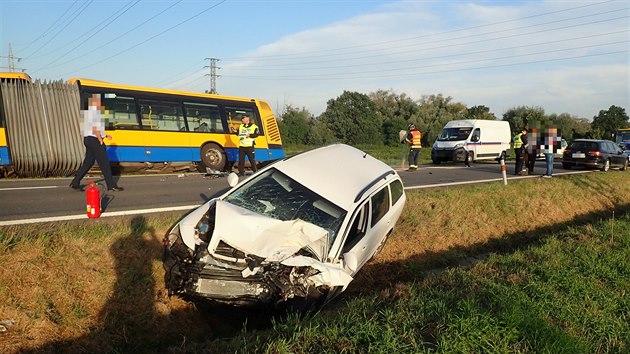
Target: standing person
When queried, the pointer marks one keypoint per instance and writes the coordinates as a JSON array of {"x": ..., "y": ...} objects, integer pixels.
[
  {"x": 246, "y": 132},
  {"x": 518, "y": 142},
  {"x": 93, "y": 139},
  {"x": 550, "y": 146},
  {"x": 413, "y": 138},
  {"x": 531, "y": 148}
]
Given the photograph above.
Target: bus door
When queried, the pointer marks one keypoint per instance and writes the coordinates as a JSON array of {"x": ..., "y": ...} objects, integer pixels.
[
  {"x": 164, "y": 131},
  {"x": 205, "y": 126},
  {"x": 234, "y": 115}
]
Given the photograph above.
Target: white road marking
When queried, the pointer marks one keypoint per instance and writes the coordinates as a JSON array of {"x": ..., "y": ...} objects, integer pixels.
[
  {"x": 23, "y": 188},
  {"x": 105, "y": 214}
]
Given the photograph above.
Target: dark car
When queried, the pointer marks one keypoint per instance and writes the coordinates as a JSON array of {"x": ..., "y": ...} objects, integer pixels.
[{"x": 600, "y": 154}]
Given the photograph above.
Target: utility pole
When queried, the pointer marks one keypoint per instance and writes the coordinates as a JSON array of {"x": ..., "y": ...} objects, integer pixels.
[
  {"x": 213, "y": 74},
  {"x": 11, "y": 59}
]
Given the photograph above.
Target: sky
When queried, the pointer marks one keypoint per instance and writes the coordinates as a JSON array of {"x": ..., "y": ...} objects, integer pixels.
[{"x": 563, "y": 56}]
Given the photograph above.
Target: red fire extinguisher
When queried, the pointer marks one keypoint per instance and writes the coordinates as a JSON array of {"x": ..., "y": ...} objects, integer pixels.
[{"x": 93, "y": 201}]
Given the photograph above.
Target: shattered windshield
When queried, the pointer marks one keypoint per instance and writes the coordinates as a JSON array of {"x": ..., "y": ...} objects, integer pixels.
[
  {"x": 454, "y": 134},
  {"x": 274, "y": 194}
]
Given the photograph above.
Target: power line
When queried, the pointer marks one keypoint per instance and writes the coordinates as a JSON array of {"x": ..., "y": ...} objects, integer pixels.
[
  {"x": 150, "y": 38},
  {"x": 51, "y": 26}
]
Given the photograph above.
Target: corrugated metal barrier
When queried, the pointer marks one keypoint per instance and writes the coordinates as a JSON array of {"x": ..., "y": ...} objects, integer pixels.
[{"x": 43, "y": 127}]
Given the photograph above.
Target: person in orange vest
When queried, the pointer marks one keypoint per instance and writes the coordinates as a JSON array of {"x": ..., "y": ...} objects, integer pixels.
[{"x": 413, "y": 139}]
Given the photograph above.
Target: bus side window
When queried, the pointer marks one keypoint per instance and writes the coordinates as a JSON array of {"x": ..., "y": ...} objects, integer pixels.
[
  {"x": 203, "y": 118},
  {"x": 119, "y": 112}
]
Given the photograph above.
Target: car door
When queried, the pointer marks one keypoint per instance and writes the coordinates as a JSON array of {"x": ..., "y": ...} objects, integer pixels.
[
  {"x": 616, "y": 154},
  {"x": 369, "y": 226}
]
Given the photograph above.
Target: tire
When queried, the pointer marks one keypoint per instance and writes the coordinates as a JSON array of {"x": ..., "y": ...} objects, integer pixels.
[
  {"x": 566, "y": 166},
  {"x": 436, "y": 162},
  {"x": 606, "y": 166},
  {"x": 625, "y": 166},
  {"x": 213, "y": 156}
]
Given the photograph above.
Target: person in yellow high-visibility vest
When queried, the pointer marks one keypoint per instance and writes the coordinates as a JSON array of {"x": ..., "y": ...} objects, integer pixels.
[
  {"x": 518, "y": 144},
  {"x": 413, "y": 138},
  {"x": 246, "y": 132}
]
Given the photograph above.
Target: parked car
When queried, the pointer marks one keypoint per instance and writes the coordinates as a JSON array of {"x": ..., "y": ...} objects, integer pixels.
[
  {"x": 600, "y": 154},
  {"x": 300, "y": 228}
]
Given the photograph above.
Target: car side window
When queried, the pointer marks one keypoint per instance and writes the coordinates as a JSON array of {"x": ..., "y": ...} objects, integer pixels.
[
  {"x": 358, "y": 227},
  {"x": 396, "y": 188},
  {"x": 380, "y": 205}
]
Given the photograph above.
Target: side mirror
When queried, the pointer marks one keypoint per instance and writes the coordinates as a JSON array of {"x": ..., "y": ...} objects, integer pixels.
[
  {"x": 232, "y": 179},
  {"x": 475, "y": 138},
  {"x": 350, "y": 261}
]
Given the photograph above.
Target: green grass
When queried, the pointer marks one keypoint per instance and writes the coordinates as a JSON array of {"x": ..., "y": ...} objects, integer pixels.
[
  {"x": 568, "y": 294},
  {"x": 551, "y": 274}
]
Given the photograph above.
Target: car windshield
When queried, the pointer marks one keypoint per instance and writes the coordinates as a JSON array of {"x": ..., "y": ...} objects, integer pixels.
[
  {"x": 453, "y": 134},
  {"x": 584, "y": 146},
  {"x": 274, "y": 194}
]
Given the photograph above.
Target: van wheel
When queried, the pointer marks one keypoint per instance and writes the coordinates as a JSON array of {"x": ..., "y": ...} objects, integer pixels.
[
  {"x": 213, "y": 156},
  {"x": 606, "y": 166}
]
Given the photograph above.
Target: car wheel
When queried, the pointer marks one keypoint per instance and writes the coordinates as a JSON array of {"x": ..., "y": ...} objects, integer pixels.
[
  {"x": 606, "y": 166},
  {"x": 566, "y": 166},
  {"x": 436, "y": 162},
  {"x": 625, "y": 166},
  {"x": 213, "y": 156}
]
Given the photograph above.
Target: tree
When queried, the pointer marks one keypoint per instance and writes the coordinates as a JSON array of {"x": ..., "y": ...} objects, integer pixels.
[
  {"x": 606, "y": 123},
  {"x": 353, "y": 119},
  {"x": 523, "y": 116},
  {"x": 434, "y": 112},
  {"x": 569, "y": 126},
  {"x": 395, "y": 112},
  {"x": 480, "y": 112},
  {"x": 294, "y": 125}
]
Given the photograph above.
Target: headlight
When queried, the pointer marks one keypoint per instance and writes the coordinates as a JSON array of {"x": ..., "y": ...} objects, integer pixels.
[{"x": 460, "y": 145}]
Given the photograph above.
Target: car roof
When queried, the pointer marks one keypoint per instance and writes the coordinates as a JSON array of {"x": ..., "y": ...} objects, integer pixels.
[{"x": 337, "y": 172}]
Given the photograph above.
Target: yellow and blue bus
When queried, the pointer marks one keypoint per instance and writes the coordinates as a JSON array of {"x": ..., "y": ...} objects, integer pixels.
[
  {"x": 147, "y": 125},
  {"x": 157, "y": 125},
  {"x": 622, "y": 137},
  {"x": 5, "y": 158}
]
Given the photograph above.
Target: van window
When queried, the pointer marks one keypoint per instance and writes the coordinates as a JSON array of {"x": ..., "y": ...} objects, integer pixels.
[
  {"x": 454, "y": 134},
  {"x": 476, "y": 135}
]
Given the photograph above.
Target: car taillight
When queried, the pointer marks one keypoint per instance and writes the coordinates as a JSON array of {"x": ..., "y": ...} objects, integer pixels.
[{"x": 594, "y": 153}]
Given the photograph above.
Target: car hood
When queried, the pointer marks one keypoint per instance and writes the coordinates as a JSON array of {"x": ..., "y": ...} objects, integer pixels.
[{"x": 270, "y": 239}]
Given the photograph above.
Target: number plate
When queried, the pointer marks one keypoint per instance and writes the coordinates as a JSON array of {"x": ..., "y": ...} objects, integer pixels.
[{"x": 579, "y": 155}]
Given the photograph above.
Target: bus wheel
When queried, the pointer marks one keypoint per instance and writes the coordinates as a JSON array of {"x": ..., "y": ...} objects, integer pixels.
[{"x": 212, "y": 156}]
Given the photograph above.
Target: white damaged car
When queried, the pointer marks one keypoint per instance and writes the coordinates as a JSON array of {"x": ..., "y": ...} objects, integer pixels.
[{"x": 299, "y": 228}]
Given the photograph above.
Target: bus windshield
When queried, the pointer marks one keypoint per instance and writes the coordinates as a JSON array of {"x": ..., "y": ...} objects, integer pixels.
[{"x": 623, "y": 135}]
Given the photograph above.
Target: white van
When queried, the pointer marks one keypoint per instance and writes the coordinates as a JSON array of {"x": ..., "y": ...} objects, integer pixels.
[{"x": 483, "y": 139}]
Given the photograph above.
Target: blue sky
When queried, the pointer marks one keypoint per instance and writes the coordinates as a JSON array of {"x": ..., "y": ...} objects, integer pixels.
[{"x": 564, "y": 56}]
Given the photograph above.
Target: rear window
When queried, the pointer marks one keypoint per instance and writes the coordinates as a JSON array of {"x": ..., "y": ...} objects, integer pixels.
[{"x": 584, "y": 145}]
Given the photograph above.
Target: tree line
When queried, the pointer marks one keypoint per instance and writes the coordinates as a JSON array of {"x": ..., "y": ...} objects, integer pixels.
[{"x": 378, "y": 117}]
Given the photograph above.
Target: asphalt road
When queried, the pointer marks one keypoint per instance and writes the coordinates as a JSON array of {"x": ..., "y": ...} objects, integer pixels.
[{"x": 35, "y": 200}]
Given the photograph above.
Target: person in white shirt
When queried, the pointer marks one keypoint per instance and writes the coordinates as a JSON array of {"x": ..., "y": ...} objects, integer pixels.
[{"x": 93, "y": 139}]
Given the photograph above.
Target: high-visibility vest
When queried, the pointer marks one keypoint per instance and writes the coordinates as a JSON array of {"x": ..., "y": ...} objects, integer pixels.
[
  {"x": 243, "y": 130},
  {"x": 517, "y": 142},
  {"x": 416, "y": 136}
]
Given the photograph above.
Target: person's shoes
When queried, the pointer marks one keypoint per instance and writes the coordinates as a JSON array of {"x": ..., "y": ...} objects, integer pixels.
[
  {"x": 76, "y": 188},
  {"x": 116, "y": 189}
]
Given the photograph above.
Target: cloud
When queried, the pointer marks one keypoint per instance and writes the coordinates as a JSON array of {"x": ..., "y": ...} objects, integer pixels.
[{"x": 559, "y": 56}]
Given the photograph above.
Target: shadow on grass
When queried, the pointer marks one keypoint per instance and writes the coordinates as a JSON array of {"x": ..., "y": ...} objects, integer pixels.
[
  {"x": 130, "y": 322},
  {"x": 376, "y": 277}
]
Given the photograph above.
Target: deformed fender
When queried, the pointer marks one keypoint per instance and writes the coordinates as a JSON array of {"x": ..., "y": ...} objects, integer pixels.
[{"x": 329, "y": 274}]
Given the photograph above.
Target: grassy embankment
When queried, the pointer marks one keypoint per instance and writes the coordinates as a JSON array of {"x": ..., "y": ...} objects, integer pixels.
[{"x": 535, "y": 266}]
